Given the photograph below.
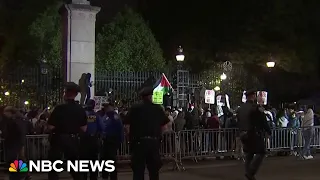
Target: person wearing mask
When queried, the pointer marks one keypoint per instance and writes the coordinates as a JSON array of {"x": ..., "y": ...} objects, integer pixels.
[
  {"x": 89, "y": 141},
  {"x": 253, "y": 128},
  {"x": 113, "y": 136},
  {"x": 65, "y": 123},
  {"x": 307, "y": 132},
  {"x": 145, "y": 121}
]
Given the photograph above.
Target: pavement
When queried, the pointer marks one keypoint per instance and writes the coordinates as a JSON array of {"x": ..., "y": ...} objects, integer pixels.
[{"x": 278, "y": 168}]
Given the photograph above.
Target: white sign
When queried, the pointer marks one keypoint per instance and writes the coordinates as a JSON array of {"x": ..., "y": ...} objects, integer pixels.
[
  {"x": 262, "y": 97},
  {"x": 100, "y": 100},
  {"x": 223, "y": 100},
  {"x": 209, "y": 96}
]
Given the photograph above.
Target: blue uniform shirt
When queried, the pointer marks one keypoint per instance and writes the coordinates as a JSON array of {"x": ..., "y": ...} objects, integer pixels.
[
  {"x": 95, "y": 124},
  {"x": 113, "y": 126}
]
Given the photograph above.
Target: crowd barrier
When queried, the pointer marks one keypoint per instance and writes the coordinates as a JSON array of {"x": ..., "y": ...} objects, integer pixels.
[{"x": 194, "y": 144}]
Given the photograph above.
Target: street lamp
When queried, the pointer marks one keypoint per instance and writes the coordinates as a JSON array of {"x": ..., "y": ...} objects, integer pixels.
[
  {"x": 26, "y": 102},
  {"x": 7, "y": 93},
  {"x": 223, "y": 76},
  {"x": 217, "y": 88},
  {"x": 43, "y": 66},
  {"x": 44, "y": 72},
  {"x": 180, "y": 56},
  {"x": 270, "y": 64}
]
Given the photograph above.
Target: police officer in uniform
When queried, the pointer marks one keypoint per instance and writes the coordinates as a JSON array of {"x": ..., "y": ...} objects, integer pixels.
[
  {"x": 145, "y": 120},
  {"x": 66, "y": 122},
  {"x": 89, "y": 141},
  {"x": 254, "y": 129}
]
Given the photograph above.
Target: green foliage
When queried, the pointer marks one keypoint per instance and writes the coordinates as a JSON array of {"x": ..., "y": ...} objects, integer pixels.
[
  {"x": 17, "y": 46},
  {"x": 46, "y": 31},
  {"x": 127, "y": 44}
]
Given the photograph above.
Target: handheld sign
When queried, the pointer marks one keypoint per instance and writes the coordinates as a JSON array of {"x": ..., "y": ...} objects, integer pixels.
[
  {"x": 157, "y": 97},
  {"x": 209, "y": 96},
  {"x": 262, "y": 97}
]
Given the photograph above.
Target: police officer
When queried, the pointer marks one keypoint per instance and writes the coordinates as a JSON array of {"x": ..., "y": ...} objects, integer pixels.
[
  {"x": 112, "y": 138},
  {"x": 253, "y": 128},
  {"x": 89, "y": 141},
  {"x": 66, "y": 122},
  {"x": 145, "y": 120}
]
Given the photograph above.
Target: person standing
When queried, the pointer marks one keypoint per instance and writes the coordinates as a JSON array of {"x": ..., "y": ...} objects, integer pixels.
[
  {"x": 12, "y": 131},
  {"x": 307, "y": 132},
  {"x": 113, "y": 136},
  {"x": 253, "y": 127},
  {"x": 66, "y": 122},
  {"x": 89, "y": 141},
  {"x": 146, "y": 120}
]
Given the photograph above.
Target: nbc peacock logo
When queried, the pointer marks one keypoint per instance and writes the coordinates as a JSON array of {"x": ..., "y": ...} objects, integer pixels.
[{"x": 18, "y": 166}]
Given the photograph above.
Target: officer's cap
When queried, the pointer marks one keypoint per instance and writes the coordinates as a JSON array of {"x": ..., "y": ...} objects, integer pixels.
[
  {"x": 146, "y": 91},
  {"x": 250, "y": 92},
  {"x": 71, "y": 86},
  {"x": 91, "y": 103}
]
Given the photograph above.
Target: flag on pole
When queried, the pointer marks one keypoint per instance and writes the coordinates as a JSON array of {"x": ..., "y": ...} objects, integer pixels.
[{"x": 163, "y": 85}]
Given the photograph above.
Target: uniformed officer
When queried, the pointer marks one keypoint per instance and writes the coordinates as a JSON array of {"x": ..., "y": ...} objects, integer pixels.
[
  {"x": 66, "y": 122},
  {"x": 253, "y": 128},
  {"x": 145, "y": 120},
  {"x": 89, "y": 141},
  {"x": 112, "y": 138}
]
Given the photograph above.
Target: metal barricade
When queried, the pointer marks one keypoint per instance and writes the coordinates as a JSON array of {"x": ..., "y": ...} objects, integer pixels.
[
  {"x": 193, "y": 144},
  {"x": 280, "y": 140},
  {"x": 204, "y": 143}
]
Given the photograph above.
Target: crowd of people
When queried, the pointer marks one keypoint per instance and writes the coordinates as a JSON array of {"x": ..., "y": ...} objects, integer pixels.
[{"x": 35, "y": 121}]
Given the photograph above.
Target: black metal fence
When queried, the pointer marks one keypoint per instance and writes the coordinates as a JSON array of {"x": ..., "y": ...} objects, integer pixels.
[{"x": 33, "y": 86}]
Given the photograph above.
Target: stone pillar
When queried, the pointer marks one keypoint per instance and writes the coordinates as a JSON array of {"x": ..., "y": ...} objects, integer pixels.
[{"x": 79, "y": 19}]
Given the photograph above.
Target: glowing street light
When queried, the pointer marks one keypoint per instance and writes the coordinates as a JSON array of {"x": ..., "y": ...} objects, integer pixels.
[
  {"x": 223, "y": 76},
  {"x": 271, "y": 64},
  {"x": 180, "y": 56},
  {"x": 26, "y": 102},
  {"x": 22, "y": 81},
  {"x": 7, "y": 93},
  {"x": 217, "y": 88}
]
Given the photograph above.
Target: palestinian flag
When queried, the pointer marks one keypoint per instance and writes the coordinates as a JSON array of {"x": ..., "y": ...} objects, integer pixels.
[{"x": 163, "y": 85}]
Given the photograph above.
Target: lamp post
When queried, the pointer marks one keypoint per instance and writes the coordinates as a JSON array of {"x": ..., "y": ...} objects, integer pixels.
[
  {"x": 180, "y": 56},
  {"x": 223, "y": 76},
  {"x": 269, "y": 77},
  {"x": 271, "y": 62},
  {"x": 180, "y": 95},
  {"x": 44, "y": 72}
]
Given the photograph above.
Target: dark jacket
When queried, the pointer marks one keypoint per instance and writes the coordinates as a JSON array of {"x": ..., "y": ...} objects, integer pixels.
[
  {"x": 113, "y": 127},
  {"x": 253, "y": 126}
]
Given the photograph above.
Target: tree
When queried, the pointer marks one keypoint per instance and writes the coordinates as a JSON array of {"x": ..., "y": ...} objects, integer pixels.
[
  {"x": 47, "y": 35},
  {"x": 127, "y": 44},
  {"x": 16, "y": 44}
]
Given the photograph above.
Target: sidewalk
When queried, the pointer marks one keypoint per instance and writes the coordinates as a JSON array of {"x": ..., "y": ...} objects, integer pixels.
[{"x": 281, "y": 168}]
